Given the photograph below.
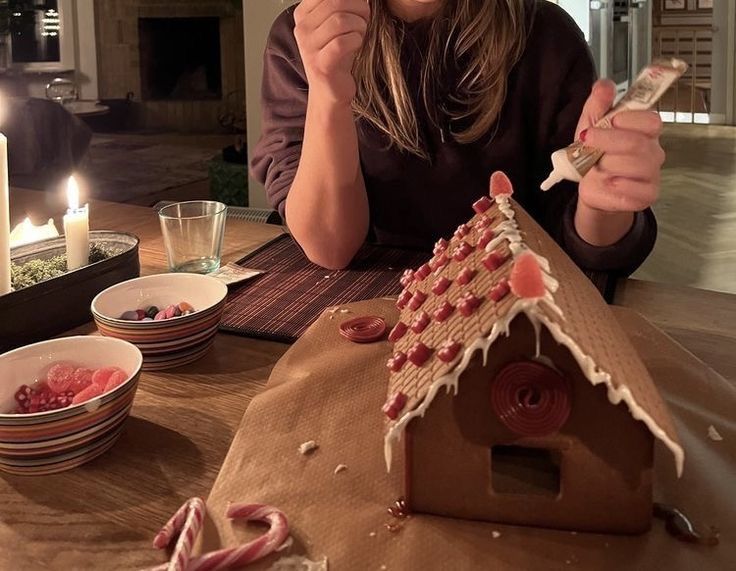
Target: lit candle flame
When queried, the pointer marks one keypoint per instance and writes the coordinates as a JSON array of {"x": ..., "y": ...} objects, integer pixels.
[{"x": 72, "y": 193}]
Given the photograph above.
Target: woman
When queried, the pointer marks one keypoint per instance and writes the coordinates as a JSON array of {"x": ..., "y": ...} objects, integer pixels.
[{"x": 445, "y": 92}]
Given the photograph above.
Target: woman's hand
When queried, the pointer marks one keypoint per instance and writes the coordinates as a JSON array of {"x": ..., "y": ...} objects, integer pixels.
[
  {"x": 626, "y": 180},
  {"x": 329, "y": 33}
]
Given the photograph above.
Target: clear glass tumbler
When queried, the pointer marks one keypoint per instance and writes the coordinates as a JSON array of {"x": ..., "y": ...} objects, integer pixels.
[{"x": 193, "y": 233}]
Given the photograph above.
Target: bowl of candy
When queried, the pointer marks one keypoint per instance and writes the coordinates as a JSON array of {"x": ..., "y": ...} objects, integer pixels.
[
  {"x": 171, "y": 318},
  {"x": 63, "y": 402}
]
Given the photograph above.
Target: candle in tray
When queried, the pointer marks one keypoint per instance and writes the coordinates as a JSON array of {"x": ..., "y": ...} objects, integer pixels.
[
  {"x": 76, "y": 229},
  {"x": 4, "y": 218}
]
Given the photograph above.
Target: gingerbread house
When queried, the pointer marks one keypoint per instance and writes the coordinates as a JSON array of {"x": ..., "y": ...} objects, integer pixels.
[{"x": 516, "y": 396}]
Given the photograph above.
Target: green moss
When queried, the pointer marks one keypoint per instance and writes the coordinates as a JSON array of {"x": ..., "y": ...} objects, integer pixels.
[{"x": 37, "y": 271}]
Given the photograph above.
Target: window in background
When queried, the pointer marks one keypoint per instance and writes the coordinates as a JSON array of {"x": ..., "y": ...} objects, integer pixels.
[{"x": 41, "y": 34}]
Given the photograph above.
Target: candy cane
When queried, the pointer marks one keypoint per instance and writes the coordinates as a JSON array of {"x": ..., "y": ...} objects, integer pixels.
[
  {"x": 234, "y": 557},
  {"x": 187, "y": 522},
  {"x": 253, "y": 550}
]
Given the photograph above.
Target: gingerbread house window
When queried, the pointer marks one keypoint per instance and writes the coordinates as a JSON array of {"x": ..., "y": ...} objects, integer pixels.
[{"x": 525, "y": 470}]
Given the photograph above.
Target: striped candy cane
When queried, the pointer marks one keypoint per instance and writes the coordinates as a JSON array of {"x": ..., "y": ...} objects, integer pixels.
[
  {"x": 187, "y": 522},
  {"x": 234, "y": 557}
]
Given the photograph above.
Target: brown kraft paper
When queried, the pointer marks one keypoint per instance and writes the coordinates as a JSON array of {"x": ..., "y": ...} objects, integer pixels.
[{"x": 331, "y": 391}]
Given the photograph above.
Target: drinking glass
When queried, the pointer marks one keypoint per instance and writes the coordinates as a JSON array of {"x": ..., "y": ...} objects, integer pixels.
[{"x": 193, "y": 233}]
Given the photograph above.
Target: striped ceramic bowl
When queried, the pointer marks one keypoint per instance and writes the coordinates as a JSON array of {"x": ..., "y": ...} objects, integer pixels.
[
  {"x": 54, "y": 441},
  {"x": 172, "y": 342}
]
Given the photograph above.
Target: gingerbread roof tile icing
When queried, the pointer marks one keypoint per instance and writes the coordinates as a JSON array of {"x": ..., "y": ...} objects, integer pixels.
[{"x": 498, "y": 266}]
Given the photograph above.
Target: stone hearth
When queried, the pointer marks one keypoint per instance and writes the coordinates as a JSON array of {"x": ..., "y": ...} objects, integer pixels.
[{"x": 129, "y": 47}]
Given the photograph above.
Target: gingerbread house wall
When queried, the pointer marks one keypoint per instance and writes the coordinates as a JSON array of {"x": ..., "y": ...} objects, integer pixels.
[{"x": 606, "y": 466}]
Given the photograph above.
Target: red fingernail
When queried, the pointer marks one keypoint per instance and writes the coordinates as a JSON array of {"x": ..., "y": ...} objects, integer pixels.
[{"x": 583, "y": 135}]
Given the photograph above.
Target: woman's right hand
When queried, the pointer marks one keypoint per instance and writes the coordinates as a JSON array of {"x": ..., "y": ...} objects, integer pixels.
[{"x": 329, "y": 33}]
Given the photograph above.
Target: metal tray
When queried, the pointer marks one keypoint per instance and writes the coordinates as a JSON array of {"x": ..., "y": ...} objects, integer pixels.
[{"x": 51, "y": 307}]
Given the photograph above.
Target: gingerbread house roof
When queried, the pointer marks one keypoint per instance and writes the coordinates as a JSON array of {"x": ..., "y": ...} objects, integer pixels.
[{"x": 466, "y": 297}]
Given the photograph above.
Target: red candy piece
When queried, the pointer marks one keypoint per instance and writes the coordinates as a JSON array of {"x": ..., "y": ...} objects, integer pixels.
[
  {"x": 23, "y": 396},
  {"x": 468, "y": 304},
  {"x": 440, "y": 246},
  {"x": 501, "y": 290},
  {"x": 421, "y": 322},
  {"x": 449, "y": 351},
  {"x": 485, "y": 238},
  {"x": 404, "y": 299},
  {"x": 438, "y": 262},
  {"x": 462, "y": 231},
  {"x": 407, "y": 278},
  {"x": 394, "y": 405},
  {"x": 60, "y": 376},
  {"x": 82, "y": 379},
  {"x": 398, "y": 332},
  {"x": 482, "y": 204},
  {"x": 419, "y": 354},
  {"x": 92, "y": 391},
  {"x": 483, "y": 222},
  {"x": 501, "y": 185},
  {"x": 440, "y": 285},
  {"x": 396, "y": 362},
  {"x": 422, "y": 272},
  {"x": 102, "y": 376},
  {"x": 116, "y": 379},
  {"x": 531, "y": 399},
  {"x": 443, "y": 311},
  {"x": 526, "y": 277},
  {"x": 417, "y": 300},
  {"x": 363, "y": 329},
  {"x": 462, "y": 251},
  {"x": 494, "y": 260},
  {"x": 466, "y": 276}
]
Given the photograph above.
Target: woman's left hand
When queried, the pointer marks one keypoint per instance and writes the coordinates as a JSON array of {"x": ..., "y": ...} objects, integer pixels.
[{"x": 626, "y": 180}]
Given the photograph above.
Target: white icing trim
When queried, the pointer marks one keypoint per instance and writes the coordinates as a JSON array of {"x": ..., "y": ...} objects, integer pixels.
[{"x": 509, "y": 230}]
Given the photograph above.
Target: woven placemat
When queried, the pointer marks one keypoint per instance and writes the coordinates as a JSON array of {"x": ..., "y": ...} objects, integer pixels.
[{"x": 282, "y": 303}]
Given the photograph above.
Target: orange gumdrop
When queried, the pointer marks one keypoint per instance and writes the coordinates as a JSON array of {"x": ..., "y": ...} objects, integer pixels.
[
  {"x": 500, "y": 184},
  {"x": 526, "y": 279}
]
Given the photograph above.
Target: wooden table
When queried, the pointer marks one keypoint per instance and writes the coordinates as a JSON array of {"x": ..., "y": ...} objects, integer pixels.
[{"x": 104, "y": 515}]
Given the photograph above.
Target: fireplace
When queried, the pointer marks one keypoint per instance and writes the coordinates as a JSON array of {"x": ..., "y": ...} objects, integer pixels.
[
  {"x": 183, "y": 60},
  {"x": 180, "y": 59}
]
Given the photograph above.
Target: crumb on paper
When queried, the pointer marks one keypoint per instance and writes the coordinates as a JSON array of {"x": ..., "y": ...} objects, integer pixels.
[
  {"x": 340, "y": 468},
  {"x": 573, "y": 533},
  {"x": 298, "y": 563},
  {"x": 345, "y": 311},
  {"x": 713, "y": 434},
  {"x": 286, "y": 544},
  {"x": 308, "y": 447},
  {"x": 496, "y": 534},
  {"x": 372, "y": 534},
  {"x": 383, "y": 568}
]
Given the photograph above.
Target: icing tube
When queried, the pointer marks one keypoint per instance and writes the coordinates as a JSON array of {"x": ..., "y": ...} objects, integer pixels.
[{"x": 654, "y": 80}]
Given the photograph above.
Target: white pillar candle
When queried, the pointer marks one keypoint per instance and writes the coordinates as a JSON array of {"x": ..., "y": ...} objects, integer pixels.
[
  {"x": 4, "y": 218},
  {"x": 76, "y": 229}
]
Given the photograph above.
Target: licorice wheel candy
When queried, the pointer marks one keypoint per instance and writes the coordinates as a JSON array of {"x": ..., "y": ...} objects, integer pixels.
[
  {"x": 531, "y": 399},
  {"x": 363, "y": 329}
]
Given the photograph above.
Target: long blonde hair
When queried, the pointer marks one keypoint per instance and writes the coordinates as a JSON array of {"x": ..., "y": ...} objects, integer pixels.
[{"x": 486, "y": 36}]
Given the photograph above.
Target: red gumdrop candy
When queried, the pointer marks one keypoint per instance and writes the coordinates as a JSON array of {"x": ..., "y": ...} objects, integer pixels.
[
  {"x": 82, "y": 379},
  {"x": 501, "y": 185},
  {"x": 102, "y": 376},
  {"x": 526, "y": 279},
  {"x": 482, "y": 204},
  {"x": 116, "y": 379},
  {"x": 60, "y": 376},
  {"x": 89, "y": 393}
]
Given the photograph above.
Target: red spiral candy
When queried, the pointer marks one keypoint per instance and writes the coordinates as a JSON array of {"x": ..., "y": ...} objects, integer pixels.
[
  {"x": 531, "y": 399},
  {"x": 363, "y": 329}
]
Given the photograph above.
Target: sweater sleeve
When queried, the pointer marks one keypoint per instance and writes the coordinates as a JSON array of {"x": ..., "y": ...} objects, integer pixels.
[
  {"x": 556, "y": 208},
  {"x": 283, "y": 113}
]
